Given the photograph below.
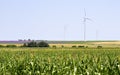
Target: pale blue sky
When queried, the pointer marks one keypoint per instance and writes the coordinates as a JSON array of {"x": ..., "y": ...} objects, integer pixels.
[{"x": 45, "y": 19}]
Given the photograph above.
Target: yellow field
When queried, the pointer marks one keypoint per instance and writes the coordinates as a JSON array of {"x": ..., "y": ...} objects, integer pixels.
[
  {"x": 12, "y": 44},
  {"x": 91, "y": 44}
]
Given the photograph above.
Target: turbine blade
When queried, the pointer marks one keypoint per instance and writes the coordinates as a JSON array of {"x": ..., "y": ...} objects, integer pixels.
[{"x": 89, "y": 19}]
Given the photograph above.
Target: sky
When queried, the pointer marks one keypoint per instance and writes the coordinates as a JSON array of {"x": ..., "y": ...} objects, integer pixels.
[{"x": 59, "y": 19}]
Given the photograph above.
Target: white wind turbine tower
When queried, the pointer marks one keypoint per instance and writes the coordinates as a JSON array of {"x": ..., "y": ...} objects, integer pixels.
[{"x": 84, "y": 22}]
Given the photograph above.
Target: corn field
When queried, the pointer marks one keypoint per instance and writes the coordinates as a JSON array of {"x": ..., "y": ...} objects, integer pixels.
[{"x": 37, "y": 61}]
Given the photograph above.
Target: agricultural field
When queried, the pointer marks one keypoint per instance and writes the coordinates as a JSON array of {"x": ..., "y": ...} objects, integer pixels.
[
  {"x": 59, "y": 61},
  {"x": 93, "y": 44}
]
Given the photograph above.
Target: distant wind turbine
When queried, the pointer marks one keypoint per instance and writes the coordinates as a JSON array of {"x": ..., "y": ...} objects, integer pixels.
[
  {"x": 65, "y": 28},
  {"x": 84, "y": 21},
  {"x": 97, "y": 34}
]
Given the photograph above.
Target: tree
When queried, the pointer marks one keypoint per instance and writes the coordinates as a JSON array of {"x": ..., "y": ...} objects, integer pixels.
[
  {"x": 32, "y": 44},
  {"x": 43, "y": 44},
  {"x": 35, "y": 44}
]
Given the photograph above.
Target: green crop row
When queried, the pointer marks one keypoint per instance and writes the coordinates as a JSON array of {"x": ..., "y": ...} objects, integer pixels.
[{"x": 32, "y": 61}]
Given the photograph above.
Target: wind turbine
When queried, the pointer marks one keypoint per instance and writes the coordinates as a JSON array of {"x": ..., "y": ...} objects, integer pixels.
[
  {"x": 84, "y": 22},
  {"x": 65, "y": 28},
  {"x": 96, "y": 35}
]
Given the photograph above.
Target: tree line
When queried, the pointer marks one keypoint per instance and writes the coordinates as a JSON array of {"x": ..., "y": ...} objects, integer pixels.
[
  {"x": 35, "y": 44},
  {"x": 29, "y": 44}
]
